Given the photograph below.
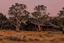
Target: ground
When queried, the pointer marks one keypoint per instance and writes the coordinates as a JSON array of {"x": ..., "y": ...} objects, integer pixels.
[{"x": 9, "y": 36}]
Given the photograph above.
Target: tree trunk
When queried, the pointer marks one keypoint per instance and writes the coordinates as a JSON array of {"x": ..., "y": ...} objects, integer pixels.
[
  {"x": 39, "y": 28},
  {"x": 63, "y": 30},
  {"x": 18, "y": 27}
]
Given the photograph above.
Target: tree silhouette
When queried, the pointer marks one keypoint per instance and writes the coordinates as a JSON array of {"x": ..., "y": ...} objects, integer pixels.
[
  {"x": 18, "y": 14},
  {"x": 3, "y": 19},
  {"x": 61, "y": 19},
  {"x": 40, "y": 14}
]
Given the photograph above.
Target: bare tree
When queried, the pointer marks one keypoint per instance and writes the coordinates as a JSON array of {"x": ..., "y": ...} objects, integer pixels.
[
  {"x": 18, "y": 14},
  {"x": 40, "y": 14}
]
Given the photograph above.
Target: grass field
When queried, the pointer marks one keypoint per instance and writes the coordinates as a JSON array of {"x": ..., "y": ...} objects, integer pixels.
[{"x": 8, "y": 36}]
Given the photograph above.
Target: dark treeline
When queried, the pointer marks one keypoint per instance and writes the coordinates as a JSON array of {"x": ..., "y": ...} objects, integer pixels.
[{"x": 21, "y": 19}]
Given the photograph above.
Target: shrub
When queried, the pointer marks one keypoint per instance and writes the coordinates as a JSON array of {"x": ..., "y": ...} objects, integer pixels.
[
  {"x": 49, "y": 35},
  {"x": 40, "y": 35},
  {"x": 36, "y": 39},
  {"x": 62, "y": 39},
  {"x": 13, "y": 38},
  {"x": 31, "y": 39},
  {"x": 24, "y": 38},
  {"x": 1, "y": 39}
]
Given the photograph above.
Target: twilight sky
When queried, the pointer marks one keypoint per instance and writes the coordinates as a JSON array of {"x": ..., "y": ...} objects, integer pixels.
[{"x": 53, "y": 6}]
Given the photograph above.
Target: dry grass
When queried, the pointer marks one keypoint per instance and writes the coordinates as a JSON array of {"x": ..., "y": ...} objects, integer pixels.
[{"x": 8, "y": 36}]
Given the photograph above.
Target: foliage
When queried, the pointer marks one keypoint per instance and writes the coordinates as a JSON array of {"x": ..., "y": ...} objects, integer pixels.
[
  {"x": 40, "y": 13},
  {"x": 18, "y": 13},
  {"x": 61, "y": 18}
]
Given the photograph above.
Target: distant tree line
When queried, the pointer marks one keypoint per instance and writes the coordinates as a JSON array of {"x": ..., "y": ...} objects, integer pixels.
[{"x": 18, "y": 15}]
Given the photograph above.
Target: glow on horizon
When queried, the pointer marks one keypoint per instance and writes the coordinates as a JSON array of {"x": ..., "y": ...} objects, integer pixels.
[{"x": 53, "y": 6}]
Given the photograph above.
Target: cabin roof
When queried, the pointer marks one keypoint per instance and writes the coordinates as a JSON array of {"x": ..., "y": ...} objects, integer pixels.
[{"x": 35, "y": 21}]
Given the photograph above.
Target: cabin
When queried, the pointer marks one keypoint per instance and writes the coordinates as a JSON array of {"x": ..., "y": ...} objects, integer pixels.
[
  {"x": 29, "y": 27},
  {"x": 50, "y": 27},
  {"x": 32, "y": 25}
]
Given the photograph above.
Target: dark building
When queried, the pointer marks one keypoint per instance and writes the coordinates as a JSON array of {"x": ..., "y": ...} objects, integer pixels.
[{"x": 32, "y": 25}]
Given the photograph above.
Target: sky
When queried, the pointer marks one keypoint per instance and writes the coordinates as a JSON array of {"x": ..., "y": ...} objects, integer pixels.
[{"x": 53, "y": 6}]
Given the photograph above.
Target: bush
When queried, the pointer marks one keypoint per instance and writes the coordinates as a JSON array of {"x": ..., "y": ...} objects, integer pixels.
[
  {"x": 13, "y": 38},
  {"x": 49, "y": 35},
  {"x": 1, "y": 39},
  {"x": 62, "y": 39},
  {"x": 31, "y": 39},
  {"x": 36, "y": 39},
  {"x": 40, "y": 35},
  {"x": 24, "y": 38}
]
